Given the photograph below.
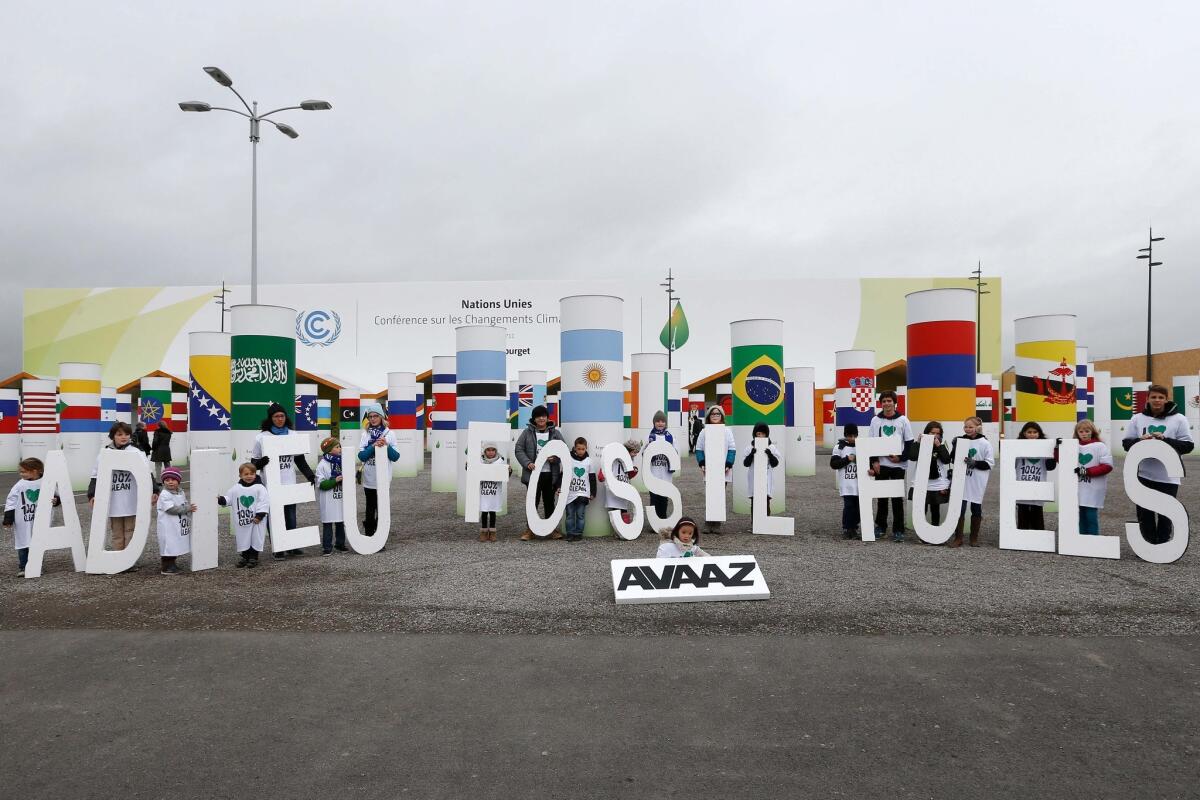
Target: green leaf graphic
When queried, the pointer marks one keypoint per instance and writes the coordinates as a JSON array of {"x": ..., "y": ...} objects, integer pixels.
[{"x": 675, "y": 333}]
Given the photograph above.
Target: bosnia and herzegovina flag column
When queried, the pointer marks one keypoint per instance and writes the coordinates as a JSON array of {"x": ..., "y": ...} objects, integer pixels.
[
  {"x": 941, "y": 358},
  {"x": 756, "y": 361},
  {"x": 1045, "y": 387},
  {"x": 79, "y": 419},
  {"x": 210, "y": 421},
  {"x": 262, "y": 368}
]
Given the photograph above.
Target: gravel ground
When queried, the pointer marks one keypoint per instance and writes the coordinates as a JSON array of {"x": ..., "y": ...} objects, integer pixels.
[{"x": 435, "y": 577}]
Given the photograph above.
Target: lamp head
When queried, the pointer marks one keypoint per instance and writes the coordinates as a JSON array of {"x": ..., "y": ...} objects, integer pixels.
[{"x": 218, "y": 75}]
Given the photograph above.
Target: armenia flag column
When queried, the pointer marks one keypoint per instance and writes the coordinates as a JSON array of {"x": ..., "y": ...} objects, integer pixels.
[
  {"x": 79, "y": 415},
  {"x": 756, "y": 361},
  {"x": 10, "y": 429},
  {"x": 480, "y": 388},
  {"x": 1045, "y": 387},
  {"x": 262, "y": 368},
  {"x": 209, "y": 403},
  {"x": 941, "y": 359},
  {"x": 443, "y": 432},
  {"x": 592, "y": 396}
]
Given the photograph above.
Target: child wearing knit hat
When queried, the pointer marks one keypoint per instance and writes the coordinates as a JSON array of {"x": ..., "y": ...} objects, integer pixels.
[
  {"x": 660, "y": 465},
  {"x": 174, "y": 521},
  {"x": 329, "y": 497}
]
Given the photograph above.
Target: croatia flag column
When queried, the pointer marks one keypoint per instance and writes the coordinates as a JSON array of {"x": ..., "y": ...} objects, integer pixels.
[
  {"x": 402, "y": 418},
  {"x": 39, "y": 417},
  {"x": 262, "y": 368},
  {"x": 1045, "y": 387},
  {"x": 209, "y": 402},
  {"x": 756, "y": 364},
  {"x": 801, "y": 455},
  {"x": 592, "y": 390},
  {"x": 10, "y": 429},
  {"x": 79, "y": 415},
  {"x": 481, "y": 389},
  {"x": 443, "y": 431},
  {"x": 854, "y": 389},
  {"x": 941, "y": 359}
]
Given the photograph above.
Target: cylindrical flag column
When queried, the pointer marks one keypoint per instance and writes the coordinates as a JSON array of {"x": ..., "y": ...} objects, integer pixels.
[
  {"x": 402, "y": 418},
  {"x": 648, "y": 391},
  {"x": 108, "y": 406},
  {"x": 696, "y": 403},
  {"x": 125, "y": 408},
  {"x": 756, "y": 364},
  {"x": 725, "y": 400},
  {"x": 1081, "y": 381},
  {"x": 480, "y": 387},
  {"x": 10, "y": 429},
  {"x": 1141, "y": 392},
  {"x": 79, "y": 419},
  {"x": 1120, "y": 399},
  {"x": 1101, "y": 404},
  {"x": 676, "y": 419},
  {"x": 1186, "y": 393},
  {"x": 1010, "y": 429},
  {"x": 39, "y": 417},
  {"x": 531, "y": 392},
  {"x": 154, "y": 403},
  {"x": 421, "y": 439},
  {"x": 801, "y": 455},
  {"x": 209, "y": 400},
  {"x": 307, "y": 414},
  {"x": 829, "y": 414},
  {"x": 592, "y": 389},
  {"x": 941, "y": 358},
  {"x": 985, "y": 407},
  {"x": 552, "y": 408},
  {"x": 349, "y": 429},
  {"x": 178, "y": 424},
  {"x": 514, "y": 406},
  {"x": 854, "y": 391},
  {"x": 1045, "y": 385},
  {"x": 627, "y": 417},
  {"x": 262, "y": 368},
  {"x": 443, "y": 433}
]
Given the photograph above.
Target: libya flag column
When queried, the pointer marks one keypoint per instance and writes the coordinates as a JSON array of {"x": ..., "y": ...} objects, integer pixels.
[
  {"x": 209, "y": 417},
  {"x": 79, "y": 419},
  {"x": 800, "y": 457},
  {"x": 262, "y": 368},
  {"x": 481, "y": 389},
  {"x": 756, "y": 361},
  {"x": 1045, "y": 350},
  {"x": 443, "y": 427}
]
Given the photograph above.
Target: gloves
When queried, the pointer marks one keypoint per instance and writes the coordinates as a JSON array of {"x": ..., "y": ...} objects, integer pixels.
[
  {"x": 749, "y": 459},
  {"x": 772, "y": 460}
]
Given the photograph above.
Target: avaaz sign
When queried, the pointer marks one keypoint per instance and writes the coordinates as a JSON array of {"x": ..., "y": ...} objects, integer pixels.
[{"x": 687, "y": 580}]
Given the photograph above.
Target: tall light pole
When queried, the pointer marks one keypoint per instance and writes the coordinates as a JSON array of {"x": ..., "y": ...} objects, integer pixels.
[
  {"x": 669, "y": 285},
  {"x": 1148, "y": 254},
  {"x": 220, "y": 300},
  {"x": 251, "y": 113},
  {"x": 977, "y": 276}
]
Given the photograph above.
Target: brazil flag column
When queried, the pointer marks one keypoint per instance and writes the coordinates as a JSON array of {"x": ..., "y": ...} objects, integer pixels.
[
  {"x": 79, "y": 419},
  {"x": 941, "y": 358},
  {"x": 262, "y": 368},
  {"x": 756, "y": 361},
  {"x": 209, "y": 405},
  {"x": 480, "y": 387},
  {"x": 592, "y": 392},
  {"x": 1045, "y": 387}
]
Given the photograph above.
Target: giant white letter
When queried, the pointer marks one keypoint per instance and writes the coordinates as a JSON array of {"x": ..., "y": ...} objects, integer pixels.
[
  {"x": 110, "y": 562},
  {"x": 294, "y": 444},
  {"x": 714, "y": 473},
  {"x": 761, "y": 521},
  {"x": 1144, "y": 496},
  {"x": 56, "y": 480},
  {"x": 1013, "y": 491},
  {"x": 612, "y": 453},
  {"x": 660, "y": 486},
  {"x": 926, "y": 531},
  {"x": 866, "y": 448},
  {"x": 210, "y": 471},
  {"x": 539, "y": 526}
]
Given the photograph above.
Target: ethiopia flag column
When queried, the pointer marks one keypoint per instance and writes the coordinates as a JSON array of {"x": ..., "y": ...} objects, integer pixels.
[
  {"x": 1045, "y": 387},
  {"x": 592, "y": 390},
  {"x": 79, "y": 416},
  {"x": 854, "y": 391},
  {"x": 941, "y": 358},
  {"x": 39, "y": 417},
  {"x": 10, "y": 429},
  {"x": 209, "y": 402},
  {"x": 481, "y": 389},
  {"x": 1120, "y": 397},
  {"x": 262, "y": 368},
  {"x": 756, "y": 361},
  {"x": 443, "y": 431},
  {"x": 154, "y": 402},
  {"x": 402, "y": 419},
  {"x": 349, "y": 424},
  {"x": 800, "y": 456}
]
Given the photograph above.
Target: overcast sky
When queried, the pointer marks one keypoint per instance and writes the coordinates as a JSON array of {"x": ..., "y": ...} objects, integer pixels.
[{"x": 524, "y": 140}]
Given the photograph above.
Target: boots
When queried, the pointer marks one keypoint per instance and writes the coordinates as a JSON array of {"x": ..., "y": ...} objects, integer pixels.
[
  {"x": 975, "y": 523},
  {"x": 958, "y": 534},
  {"x": 483, "y": 535}
]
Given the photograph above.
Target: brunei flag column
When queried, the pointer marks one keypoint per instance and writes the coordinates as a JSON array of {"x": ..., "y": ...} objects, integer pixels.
[
  {"x": 1045, "y": 387},
  {"x": 756, "y": 360}
]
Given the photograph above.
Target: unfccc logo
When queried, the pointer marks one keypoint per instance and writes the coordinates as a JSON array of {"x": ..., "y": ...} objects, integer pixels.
[{"x": 318, "y": 328}]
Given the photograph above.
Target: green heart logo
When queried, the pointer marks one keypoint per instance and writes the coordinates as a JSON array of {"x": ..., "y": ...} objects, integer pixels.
[
  {"x": 32, "y": 495},
  {"x": 438, "y": 444},
  {"x": 971, "y": 453},
  {"x": 580, "y": 471},
  {"x": 1085, "y": 458},
  {"x": 1157, "y": 429},
  {"x": 541, "y": 442},
  {"x": 888, "y": 430},
  {"x": 246, "y": 500}
]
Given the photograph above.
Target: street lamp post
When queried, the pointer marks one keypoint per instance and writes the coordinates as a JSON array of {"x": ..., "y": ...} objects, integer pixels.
[
  {"x": 1148, "y": 252},
  {"x": 977, "y": 277},
  {"x": 251, "y": 113}
]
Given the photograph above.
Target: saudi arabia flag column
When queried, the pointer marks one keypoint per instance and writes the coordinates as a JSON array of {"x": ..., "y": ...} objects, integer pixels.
[
  {"x": 209, "y": 403},
  {"x": 480, "y": 388},
  {"x": 79, "y": 419},
  {"x": 1045, "y": 350},
  {"x": 1120, "y": 398},
  {"x": 443, "y": 432},
  {"x": 262, "y": 368},
  {"x": 592, "y": 402},
  {"x": 10, "y": 429},
  {"x": 801, "y": 455},
  {"x": 941, "y": 359},
  {"x": 402, "y": 419},
  {"x": 756, "y": 360}
]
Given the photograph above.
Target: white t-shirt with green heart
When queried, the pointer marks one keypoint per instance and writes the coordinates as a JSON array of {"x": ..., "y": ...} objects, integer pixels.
[
  {"x": 1092, "y": 490},
  {"x": 895, "y": 426},
  {"x": 1173, "y": 427},
  {"x": 578, "y": 484}
]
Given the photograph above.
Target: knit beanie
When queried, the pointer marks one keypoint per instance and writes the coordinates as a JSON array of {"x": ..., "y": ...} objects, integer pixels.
[
  {"x": 328, "y": 444},
  {"x": 660, "y": 417}
]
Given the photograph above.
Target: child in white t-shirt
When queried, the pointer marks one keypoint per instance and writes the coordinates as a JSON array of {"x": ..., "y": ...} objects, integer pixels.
[
  {"x": 684, "y": 541},
  {"x": 761, "y": 431},
  {"x": 1095, "y": 462},
  {"x": 249, "y": 506},
  {"x": 579, "y": 477},
  {"x": 660, "y": 465},
  {"x": 489, "y": 497},
  {"x": 122, "y": 500},
  {"x": 20, "y": 505},
  {"x": 1030, "y": 516},
  {"x": 174, "y": 521},
  {"x": 845, "y": 462},
  {"x": 329, "y": 497},
  {"x": 979, "y": 463}
]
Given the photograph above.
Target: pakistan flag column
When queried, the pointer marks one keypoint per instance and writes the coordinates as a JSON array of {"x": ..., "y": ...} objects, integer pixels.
[
  {"x": 756, "y": 361},
  {"x": 79, "y": 419},
  {"x": 402, "y": 419},
  {"x": 801, "y": 451},
  {"x": 262, "y": 368},
  {"x": 1045, "y": 386},
  {"x": 209, "y": 401},
  {"x": 443, "y": 428},
  {"x": 480, "y": 387},
  {"x": 10, "y": 429},
  {"x": 592, "y": 393},
  {"x": 39, "y": 417}
]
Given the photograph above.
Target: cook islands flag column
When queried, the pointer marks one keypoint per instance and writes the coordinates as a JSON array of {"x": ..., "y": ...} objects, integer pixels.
[
  {"x": 79, "y": 415},
  {"x": 262, "y": 368},
  {"x": 209, "y": 402},
  {"x": 854, "y": 389},
  {"x": 801, "y": 455},
  {"x": 1045, "y": 387},
  {"x": 481, "y": 389},
  {"x": 756, "y": 361},
  {"x": 10, "y": 429},
  {"x": 592, "y": 391},
  {"x": 39, "y": 417},
  {"x": 941, "y": 358},
  {"x": 402, "y": 418},
  {"x": 443, "y": 431}
]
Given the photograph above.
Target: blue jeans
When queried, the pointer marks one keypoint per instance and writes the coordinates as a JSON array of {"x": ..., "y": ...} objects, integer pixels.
[
  {"x": 331, "y": 532},
  {"x": 1089, "y": 520},
  {"x": 22, "y": 556},
  {"x": 576, "y": 515},
  {"x": 850, "y": 512}
]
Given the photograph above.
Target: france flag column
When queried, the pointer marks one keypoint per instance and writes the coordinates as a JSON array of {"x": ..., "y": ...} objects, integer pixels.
[
  {"x": 79, "y": 415},
  {"x": 443, "y": 430},
  {"x": 592, "y": 390},
  {"x": 481, "y": 388},
  {"x": 756, "y": 363},
  {"x": 10, "y": 429}
]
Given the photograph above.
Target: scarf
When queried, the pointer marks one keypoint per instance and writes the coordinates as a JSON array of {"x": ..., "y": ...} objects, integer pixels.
[
  {"x": 280, "y": 431},
  {"x": 335, "y": 463},
  {"x": 375, "y": 433}
]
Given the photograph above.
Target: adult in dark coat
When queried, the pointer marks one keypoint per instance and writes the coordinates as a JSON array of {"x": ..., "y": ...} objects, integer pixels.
[
  {"x": 141, "y": 439},
  {"x": 537, "y": 435},
  {"x": 160, "y": 448}
]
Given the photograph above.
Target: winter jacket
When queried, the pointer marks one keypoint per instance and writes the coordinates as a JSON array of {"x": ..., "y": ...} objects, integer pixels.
[
  {"x": 160, "y": 448},
  {"x": 526, "y": 451}
]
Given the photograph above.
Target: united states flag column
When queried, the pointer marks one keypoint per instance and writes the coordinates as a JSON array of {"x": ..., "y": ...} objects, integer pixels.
[
  {"x": 209, "y": 419},
  {"x": 481, "y": 388},
  {"x": 262, "y": 368},
  {"x": 756, "y": 364},
  {"x": 443, "y": 426}
]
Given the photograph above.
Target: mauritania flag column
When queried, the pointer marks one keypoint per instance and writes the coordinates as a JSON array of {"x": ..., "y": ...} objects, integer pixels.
[
  {"x": 79, "y": 419},
  {"x": 209, "y": 402},
  {"x": 39, "y": 417},
  {"x": 402, "y": 418},
  {"x": 481, "y": 388},
  {"x": 941, "y": 358},
  {"x": 262, "y": 368},
  {"x": 854, "y": 389},
  {"x": 1120, "y": 398},
  {"x": 10, "y": 429},
  {"x": 592, "y": 395},
  {"x": 443, "y": 429},
  {"x": 801, "y": 451},
  {"x": 648, "y": 391},
  {"x": 1045, "y": 387},
  {"x": 756, "y": 361}
]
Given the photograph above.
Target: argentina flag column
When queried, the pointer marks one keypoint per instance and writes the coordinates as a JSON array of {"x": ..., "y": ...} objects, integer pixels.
[
  {"x": 756, "y": 361},
  {"x": 481, "y": 389},
  {"x": 592, "y": 392},
  {"x": 262, "y": 368},
  {"x": 443, "y": 429}
]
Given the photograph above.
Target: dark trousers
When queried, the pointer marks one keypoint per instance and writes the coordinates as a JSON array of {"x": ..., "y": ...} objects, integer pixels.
[
  {"x": 22, "y": 557},
  {"x": 371, "y": 511},
  {"x": 545, "y": 493},
  {"x": 897, "y": 503},
  {"x": 289, "y": 521},
  {"x": 1156, "y": 528},
  {"x": 934, "y": 507},
  {"x": 333, "y": 533},
  {"x": 976, "y": 509},
  {"x": 850, "y": 513},
  {"x": 661, "y": 504},
  {"x": 1030, "y": 518},
  {"x": 487, "y": 520}
]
